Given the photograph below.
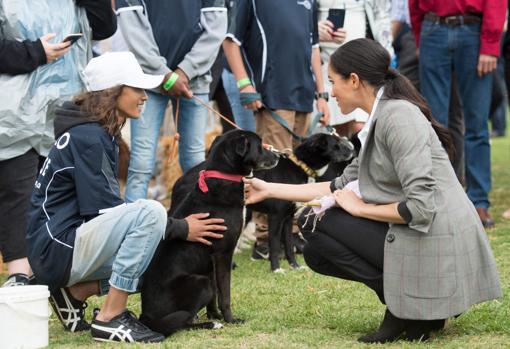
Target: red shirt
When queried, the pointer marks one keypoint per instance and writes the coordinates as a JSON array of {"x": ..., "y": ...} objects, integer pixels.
[{"x": 493, "y": 12}]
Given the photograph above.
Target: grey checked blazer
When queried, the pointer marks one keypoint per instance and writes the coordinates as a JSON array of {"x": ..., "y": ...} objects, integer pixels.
[{"x": 441, "y": 262}]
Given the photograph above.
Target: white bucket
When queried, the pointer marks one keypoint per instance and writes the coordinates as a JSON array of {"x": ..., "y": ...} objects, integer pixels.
[{"x": 24, "y": 314}]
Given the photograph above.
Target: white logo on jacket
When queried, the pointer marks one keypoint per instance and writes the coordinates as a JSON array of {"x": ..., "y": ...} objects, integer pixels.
[
  {"x": 63, "y": 141},
  {"x": 306, "y": 4}
]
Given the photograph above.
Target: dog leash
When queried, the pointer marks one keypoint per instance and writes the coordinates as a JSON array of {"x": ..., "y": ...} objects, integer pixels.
[
  {"x": 250, "y": 97},
  {"x": 175, "y": 140},
  {"x": 217, "y": 113}
]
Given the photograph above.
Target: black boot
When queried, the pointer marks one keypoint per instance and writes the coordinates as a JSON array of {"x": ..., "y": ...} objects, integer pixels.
[
  {"x": 390, "y": 329},
  {"x": 421, "y": 329}
]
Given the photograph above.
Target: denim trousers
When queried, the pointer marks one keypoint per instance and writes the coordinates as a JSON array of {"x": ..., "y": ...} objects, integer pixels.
[
  {"x": 192, "y": 126},
  {"x": 442, "y": 48},
  {"x": 242, "y": 116},
  {"x": 116, "y": 247}
]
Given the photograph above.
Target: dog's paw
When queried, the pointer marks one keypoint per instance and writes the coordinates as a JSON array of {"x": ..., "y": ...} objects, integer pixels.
[
  {"x": 217, "y": 325},
  {"x": 295, "y": 266},
  {"x": 279, "y": 271}
]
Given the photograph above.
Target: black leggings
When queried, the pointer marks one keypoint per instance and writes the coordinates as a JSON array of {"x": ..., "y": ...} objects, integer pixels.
[{"x": 346, "y": 247}]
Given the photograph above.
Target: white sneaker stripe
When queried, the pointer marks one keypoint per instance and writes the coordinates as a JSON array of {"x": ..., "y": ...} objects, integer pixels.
[{"x": 119, "y": 332}]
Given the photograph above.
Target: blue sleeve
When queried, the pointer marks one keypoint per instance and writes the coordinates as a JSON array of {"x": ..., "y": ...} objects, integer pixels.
[
  {"x": 241, "y": 17},
  {"x": 96, "y": 184},
  {"x": 315, "y": 24}
]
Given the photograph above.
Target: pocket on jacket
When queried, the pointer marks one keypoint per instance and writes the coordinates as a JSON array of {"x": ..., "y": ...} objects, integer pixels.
[{"x": 430, "y": 270}]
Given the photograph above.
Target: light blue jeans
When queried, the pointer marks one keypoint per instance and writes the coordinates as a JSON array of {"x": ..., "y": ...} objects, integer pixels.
[
  {"x": 116, "y": 247},
  {"x": 242, "y": 116},
  {"x": 192, "y": 126}
]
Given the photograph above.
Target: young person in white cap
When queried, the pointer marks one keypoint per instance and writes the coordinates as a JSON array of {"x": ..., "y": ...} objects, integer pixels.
[{"x": 83, "y": 239}]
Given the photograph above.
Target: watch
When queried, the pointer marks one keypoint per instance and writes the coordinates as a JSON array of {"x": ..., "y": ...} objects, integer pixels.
[{"x": 324, "y": 95}]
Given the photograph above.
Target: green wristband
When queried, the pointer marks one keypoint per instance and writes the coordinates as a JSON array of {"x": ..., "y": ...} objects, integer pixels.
[
  {"x": 243, "y": 83},
  {"x": 171, "y": 81}
]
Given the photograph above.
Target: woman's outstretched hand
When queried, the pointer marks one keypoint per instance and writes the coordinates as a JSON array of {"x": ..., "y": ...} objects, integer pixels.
[
  {"x": 255, "y": 190},
  {"x": 349, "y": 201}
]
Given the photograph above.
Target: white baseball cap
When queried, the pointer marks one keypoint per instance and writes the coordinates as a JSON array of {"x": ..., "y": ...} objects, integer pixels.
[{"x": 117, "y": 68}]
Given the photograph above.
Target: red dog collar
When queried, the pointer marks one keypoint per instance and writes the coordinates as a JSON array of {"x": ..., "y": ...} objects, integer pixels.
[{"x": 215, "y": 174}]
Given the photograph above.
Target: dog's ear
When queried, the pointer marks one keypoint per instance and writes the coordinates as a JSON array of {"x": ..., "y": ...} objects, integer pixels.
[
  {"x": 322, "y": 143},
  {"x": 241, "y": 146}
]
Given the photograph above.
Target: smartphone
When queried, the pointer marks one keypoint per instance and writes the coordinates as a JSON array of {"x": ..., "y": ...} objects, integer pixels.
[
  {"x": 72, "y": 37},
  {"x": 337, "y": 17}
]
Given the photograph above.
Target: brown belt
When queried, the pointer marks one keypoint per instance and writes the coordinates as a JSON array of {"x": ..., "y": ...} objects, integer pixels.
[{"x": 454, "y": 20}]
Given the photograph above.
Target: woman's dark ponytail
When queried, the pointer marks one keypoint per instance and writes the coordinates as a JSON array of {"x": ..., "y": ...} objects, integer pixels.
[
  {"x": 371, "y": 62},
  {"x": 401, "y": 88}
]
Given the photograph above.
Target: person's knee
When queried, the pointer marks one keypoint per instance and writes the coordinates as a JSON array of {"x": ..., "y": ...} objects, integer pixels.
[{"x": 156, "y": 215}]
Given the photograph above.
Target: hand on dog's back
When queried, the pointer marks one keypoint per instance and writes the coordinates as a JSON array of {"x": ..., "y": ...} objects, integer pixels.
[{"x": 200, "y": 228}]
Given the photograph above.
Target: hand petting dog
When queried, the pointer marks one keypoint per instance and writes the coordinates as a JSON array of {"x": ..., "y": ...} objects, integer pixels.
[{"x": 201, "y": 228}]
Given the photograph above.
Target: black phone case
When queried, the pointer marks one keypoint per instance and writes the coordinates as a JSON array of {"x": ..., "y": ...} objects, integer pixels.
[{"x": 337, "y": 17}]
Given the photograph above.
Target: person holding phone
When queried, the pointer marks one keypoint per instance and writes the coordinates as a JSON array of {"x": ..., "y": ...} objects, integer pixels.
[
  {"x": 341, "y": 21},
  {"x": 37, "y": 68}
]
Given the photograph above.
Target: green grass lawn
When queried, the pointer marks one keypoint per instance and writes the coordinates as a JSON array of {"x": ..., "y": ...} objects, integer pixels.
[{"x": 300, "y": 309}]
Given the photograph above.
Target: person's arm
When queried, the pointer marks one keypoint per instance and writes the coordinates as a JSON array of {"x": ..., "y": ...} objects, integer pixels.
[
  {"x": 196, "y": 227},
  {"x": 257, "y": 190},
  {"x": 407, "y": 136},
  {"x": 22, "y": 57},
  {"x": 417, "y": 15},
  {"x": 322, "y": 104},
  {"x": 202, "y": 55},
  {"x": 139, "y": 38},
  {"x": 350, "y": 174},
  {"x": 137, "y": 32},
  {"x": 393, "y": 212},
  {"x": 101, "y": 17},
  {"x": 96, "y": 186},
  {"x": 240, "y": 20},
  {"x": 493, "y": 20},
  {"x": 382, "y": 25}
]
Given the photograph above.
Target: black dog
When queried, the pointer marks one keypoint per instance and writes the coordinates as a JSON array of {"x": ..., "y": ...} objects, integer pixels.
[
  {"x": 183, "y": 276},
  {"x": 318, "y": 155}
]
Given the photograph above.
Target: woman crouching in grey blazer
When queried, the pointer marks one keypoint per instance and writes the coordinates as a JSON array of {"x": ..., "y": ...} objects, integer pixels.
[{"x": 401, "y": 222}]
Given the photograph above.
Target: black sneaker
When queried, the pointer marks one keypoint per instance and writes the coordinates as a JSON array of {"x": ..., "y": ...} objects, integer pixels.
[
  {"x": 260, "y": 252},
  {"x": 70, "y": 311},
  {"x": 124, "y": 327},
  {"x": 18, "y": 279}
]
